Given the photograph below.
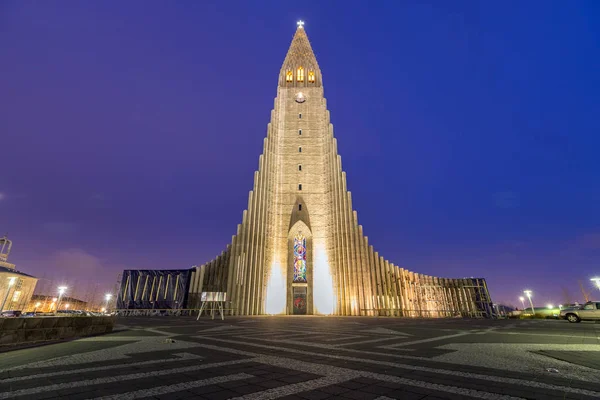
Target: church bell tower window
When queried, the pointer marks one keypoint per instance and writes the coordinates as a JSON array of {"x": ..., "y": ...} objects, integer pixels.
[
  {"x": 300, "y": 74},
  {"x": 311, "y": 77},
  {"x": 289, "y": 76}
]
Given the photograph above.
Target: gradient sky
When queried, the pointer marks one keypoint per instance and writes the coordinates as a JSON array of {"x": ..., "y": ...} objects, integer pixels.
[{"x": 469, "y": 131}]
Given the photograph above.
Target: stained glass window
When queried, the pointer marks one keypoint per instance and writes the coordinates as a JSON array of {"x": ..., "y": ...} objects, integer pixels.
[{"x": 300, "y": 258}]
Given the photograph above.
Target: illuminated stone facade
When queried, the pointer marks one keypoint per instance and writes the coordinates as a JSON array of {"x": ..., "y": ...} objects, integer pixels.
[
  {"x": 16, "y": 287},
  {"x": 299, "y": 248}
]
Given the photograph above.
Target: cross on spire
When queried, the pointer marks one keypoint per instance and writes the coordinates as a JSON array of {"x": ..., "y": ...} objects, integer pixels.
[{"x": 300, "y": 24}]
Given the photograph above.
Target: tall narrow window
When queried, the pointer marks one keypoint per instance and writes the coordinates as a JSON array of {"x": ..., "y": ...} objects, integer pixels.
[
  {"x": 289, "y": 76},
  {"x": 300, "y": 167},
  {"x": 300, "y": 116},
  {"x": 300, "y": 186},
  {"x": 300, "y": 74},
  {"x": 299, "y": 132},
  {"x": 311, "y": 77},
  {"x": 300, "y": 258},
  {"x": 300, "y": 149},
  {"x": 299, "y": 207}
]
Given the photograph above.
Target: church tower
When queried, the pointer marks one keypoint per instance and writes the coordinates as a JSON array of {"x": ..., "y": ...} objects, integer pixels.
[{"x": 299, "y": 248}]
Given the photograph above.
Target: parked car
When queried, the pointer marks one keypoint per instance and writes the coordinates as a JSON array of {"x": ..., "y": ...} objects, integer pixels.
[
  {"x": 590, "y": 311},
  {"x": 10, "y": 314}
]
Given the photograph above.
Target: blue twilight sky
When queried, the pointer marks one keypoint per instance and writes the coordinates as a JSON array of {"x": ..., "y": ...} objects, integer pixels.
[{"x": 469, "y": 131}]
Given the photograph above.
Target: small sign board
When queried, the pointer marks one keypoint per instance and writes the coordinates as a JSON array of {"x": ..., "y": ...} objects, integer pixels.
[{"x": 213, "y": 296}]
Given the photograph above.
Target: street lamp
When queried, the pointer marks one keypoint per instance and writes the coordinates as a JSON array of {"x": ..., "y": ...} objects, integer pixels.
[
  {"x": 36, "y": 306},
  {"x": 522, "y": 301},
  {"x": 107, "y": 296},
  {"x": 596, "y": 281},
  {"x": 61, "y": 291},
  {"x": 67, "y": 306},
  {"x": 528, "y": 294},
  {"x": 11, "y": 281},
  {"x": 551, "y": 306}
]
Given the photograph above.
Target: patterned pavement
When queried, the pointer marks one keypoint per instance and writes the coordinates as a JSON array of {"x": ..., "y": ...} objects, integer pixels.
[{"x": 313, "y": 358}]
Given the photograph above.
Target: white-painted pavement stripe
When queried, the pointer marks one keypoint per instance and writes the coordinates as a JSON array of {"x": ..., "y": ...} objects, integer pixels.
[
  {"x": 493, "y": 378},
  {"x": 160, "y": 390},
  {"x": 385, "y": 331},
  {"x": 294, "y": 388},
  {"x": 114, "y": 379},
  {"x": 344, "y": 337},
  {"x": 341, "y": 373},
  {"x": 180, "y": 357},
  {"x": 433, "y": 339},
  {"x": 368, "y": 341},
  {"x": 333, "y": 347}
]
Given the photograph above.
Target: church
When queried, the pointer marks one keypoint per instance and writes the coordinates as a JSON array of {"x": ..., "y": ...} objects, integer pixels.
[{"x": 299, "y": 248}]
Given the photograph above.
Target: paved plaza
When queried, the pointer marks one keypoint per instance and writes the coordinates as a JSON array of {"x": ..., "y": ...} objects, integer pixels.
[{"x": 313, "y": 358}]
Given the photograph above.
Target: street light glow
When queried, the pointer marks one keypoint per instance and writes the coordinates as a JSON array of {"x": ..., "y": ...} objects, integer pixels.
[
  {"x": 107, "y": 297},
  {"x": 550, "y": 306},
  {"x": 597, "y": 281},
  {"x": 528, "y": 293},
  {"x": 61, "y": 291},
  {"x": 522, "y": 298}
]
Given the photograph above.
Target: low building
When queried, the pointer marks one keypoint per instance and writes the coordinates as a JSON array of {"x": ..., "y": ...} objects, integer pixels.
[
  {"x": 146, "y": 289},
  {"x": 45, "y": 303},
  {"x": 16, "y": 287}
]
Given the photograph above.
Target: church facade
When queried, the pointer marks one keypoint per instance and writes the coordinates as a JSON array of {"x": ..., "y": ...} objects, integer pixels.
[{"x": 299, "y": 248}]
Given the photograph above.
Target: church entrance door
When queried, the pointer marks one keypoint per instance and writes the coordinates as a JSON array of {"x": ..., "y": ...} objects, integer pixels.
[{"x": 299, "y": 300}]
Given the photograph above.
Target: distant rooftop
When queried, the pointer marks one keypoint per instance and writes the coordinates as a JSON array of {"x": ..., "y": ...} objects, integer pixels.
[{"x": 13, "y": 271}]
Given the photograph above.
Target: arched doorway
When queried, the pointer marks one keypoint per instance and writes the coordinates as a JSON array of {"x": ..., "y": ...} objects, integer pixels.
[{"x": 300, "y": 255}]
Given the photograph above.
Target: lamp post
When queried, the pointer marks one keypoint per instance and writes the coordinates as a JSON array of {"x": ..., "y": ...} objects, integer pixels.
[
  {"x": 522, "y": 301},
  {"x": 528, "y": 294},
  {"x": 596, "y": 281},
  {"x": 107, "y": 297},
  {"x": 61, "y": 291},
  {"x": 11, "y": 282}
]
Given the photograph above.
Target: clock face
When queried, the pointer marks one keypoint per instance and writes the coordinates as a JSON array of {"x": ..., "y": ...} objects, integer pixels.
[{"x": 300, "y": 97}]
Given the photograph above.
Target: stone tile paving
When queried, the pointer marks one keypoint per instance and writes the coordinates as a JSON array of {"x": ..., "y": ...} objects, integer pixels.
[{"x": 313, "y": 358}]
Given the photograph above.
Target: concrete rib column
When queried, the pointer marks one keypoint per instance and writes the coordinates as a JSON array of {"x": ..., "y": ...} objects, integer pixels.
[
  {"x": 345, "y": 256},
  {"x": 252, "y": 247},
  {"x": 349, "y": 234},
  {"x": 342, "y": 248},
  {"x": 385, "y": 287},
  {"x": 239, "y": 293},
  {"x": 364, "y": 269},
  {"x": 263, "y": 168},
  {"x": 370, "y": 277},
  {"x": 377, "y": 275},
  {"x": 337, "y": 217}
]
